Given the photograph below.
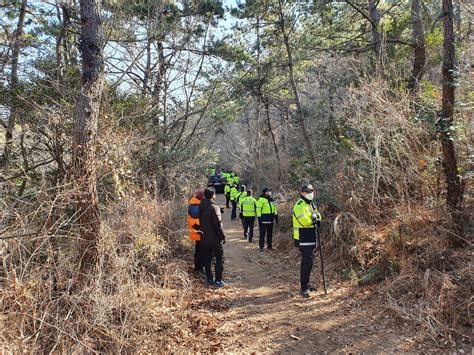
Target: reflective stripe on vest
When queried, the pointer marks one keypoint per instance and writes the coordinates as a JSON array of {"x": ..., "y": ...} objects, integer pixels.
[
  {"x": 248, "y": 207},
  {"x": 270, "y": 207}
]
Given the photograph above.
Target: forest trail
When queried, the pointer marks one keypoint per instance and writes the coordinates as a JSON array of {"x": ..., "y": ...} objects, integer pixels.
[{"x": 260, "y": 308}]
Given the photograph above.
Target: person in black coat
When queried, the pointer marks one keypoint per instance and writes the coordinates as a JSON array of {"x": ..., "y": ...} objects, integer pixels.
[{"x": 213, "y": 237}]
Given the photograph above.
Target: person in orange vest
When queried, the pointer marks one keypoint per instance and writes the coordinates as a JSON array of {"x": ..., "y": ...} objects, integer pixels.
[{"x": 194, "y": 229}]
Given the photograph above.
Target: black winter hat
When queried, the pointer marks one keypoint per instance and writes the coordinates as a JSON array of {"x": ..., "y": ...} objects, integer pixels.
[{"x": 307, "y": 188}]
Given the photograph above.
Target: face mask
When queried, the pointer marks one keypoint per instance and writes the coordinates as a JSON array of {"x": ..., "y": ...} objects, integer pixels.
[{"x": 310, "y": 196}]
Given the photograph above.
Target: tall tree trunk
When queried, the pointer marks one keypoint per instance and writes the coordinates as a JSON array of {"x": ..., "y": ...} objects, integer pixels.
[
  {"x": 275, "y": 146},
  {"x": 458, "y": 19},
  {"x": 159, "y": 93},
  {"x": 257, "y": 141},
  {"x": 160, "y": 77},
  {"x": 375, "y": 16},
  {"x": 63, "y": 14},
  {"x": 146, "y": 76},
  {"x": 159, "y": 88},
  {"x": 14, "y": 108},
  {"x": 419, "y": 51},
  {"x": 294, "y": 88},
  {"x": 85, "y": 131},
  {"x": 454, "y": 188}
]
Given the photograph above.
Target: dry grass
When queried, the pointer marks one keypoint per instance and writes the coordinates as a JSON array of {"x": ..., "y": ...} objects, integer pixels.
[
  {"x": 136, "y": 300},
  {"x": 391, "y": 227}
]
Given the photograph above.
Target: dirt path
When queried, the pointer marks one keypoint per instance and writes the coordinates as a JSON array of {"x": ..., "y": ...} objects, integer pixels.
[{"x": 260, "y": 309}]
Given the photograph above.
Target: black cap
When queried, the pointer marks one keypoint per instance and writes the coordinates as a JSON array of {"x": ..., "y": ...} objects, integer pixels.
[{"x": 307, "y": 188}]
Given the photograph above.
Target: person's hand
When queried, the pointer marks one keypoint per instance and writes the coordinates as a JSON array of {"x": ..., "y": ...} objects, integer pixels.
[
  {"x": 316, "y": 217},
  {"x": 223, "y": 241}
]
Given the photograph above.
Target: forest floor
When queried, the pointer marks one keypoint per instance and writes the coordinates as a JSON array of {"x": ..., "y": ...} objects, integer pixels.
[{"x": 260, "y": 309}]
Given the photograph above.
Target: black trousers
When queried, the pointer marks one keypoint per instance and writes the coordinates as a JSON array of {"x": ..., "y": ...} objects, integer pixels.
[
  {"x": 248, "y": 227},
  {"x": 233, "y": 214},
  {"x": 307, "y": 259},
  {"x": 227, "y": 200},
  {"x": 198, "y": 256},
  {"x": 265, "y": 229},
  {"x": 217, "y": 253}
]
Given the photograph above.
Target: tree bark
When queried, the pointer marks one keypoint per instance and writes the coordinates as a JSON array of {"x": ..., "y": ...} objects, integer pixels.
[
  {"x": 374, "y": 22},
  {"x": 85, "y": 132},
  {"x": 14, "y": 108},
  {"x": 291, "y": 78},
  {"x": 256, "y": 141},
  {"x": 60, "y": 38},
  {"x": 419, "y": 58},
  {"x": 275, "y": 146},
  {"x": 146, "y": 76},
  {"x": 160, "y": 83},
  {"x": 454, "y": 188},
  {"x": 160, "y": 95}
]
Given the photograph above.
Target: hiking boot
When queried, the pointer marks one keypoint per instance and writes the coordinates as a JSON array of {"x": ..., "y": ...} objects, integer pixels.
[
  {"x": 210, "y": 283},
  {"x": 219, "y": 284},
  {"x": 312, "y": 289},
  {"x": 261, "y": 250},
  {"x": 305, "y": 293}
]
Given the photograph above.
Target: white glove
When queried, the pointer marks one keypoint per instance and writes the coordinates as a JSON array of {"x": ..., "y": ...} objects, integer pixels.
[{"x": 316, "y": 217}]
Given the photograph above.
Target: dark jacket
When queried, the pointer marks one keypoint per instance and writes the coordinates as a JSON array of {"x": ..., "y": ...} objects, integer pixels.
[{"x": 210, "y": 223}]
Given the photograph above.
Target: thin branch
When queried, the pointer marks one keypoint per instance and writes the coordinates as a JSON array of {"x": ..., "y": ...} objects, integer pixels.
[{"x": 360, "y": 11}]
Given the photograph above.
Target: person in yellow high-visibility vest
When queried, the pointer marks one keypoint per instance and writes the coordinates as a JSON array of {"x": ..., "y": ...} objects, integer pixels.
[
  {"x": 305, "y": 220},
  {"x": 233, "y": 200},
  {"x": 240, "y": 197},
  {"x": 248, "y": 206},
  {"x": 227, "y": 194},
  {"x": 267, "y": 214}
]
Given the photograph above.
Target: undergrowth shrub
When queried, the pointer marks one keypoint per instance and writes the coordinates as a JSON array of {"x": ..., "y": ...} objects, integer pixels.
[
  {"x": 388, "y": 224},
  {"x": 132, "y": 302}
]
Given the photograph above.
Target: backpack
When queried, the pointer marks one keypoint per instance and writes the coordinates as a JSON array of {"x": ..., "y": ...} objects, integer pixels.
[{"x": 193, "y": 211}]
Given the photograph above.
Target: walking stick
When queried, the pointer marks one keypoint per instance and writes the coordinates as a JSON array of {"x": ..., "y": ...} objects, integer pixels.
[{"x": 321, "y": 257}]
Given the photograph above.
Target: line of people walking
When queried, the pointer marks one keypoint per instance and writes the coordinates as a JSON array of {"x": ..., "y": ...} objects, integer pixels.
[
  {"x": 263, "y": 209},
  {"x": 206, "y": 229}
]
